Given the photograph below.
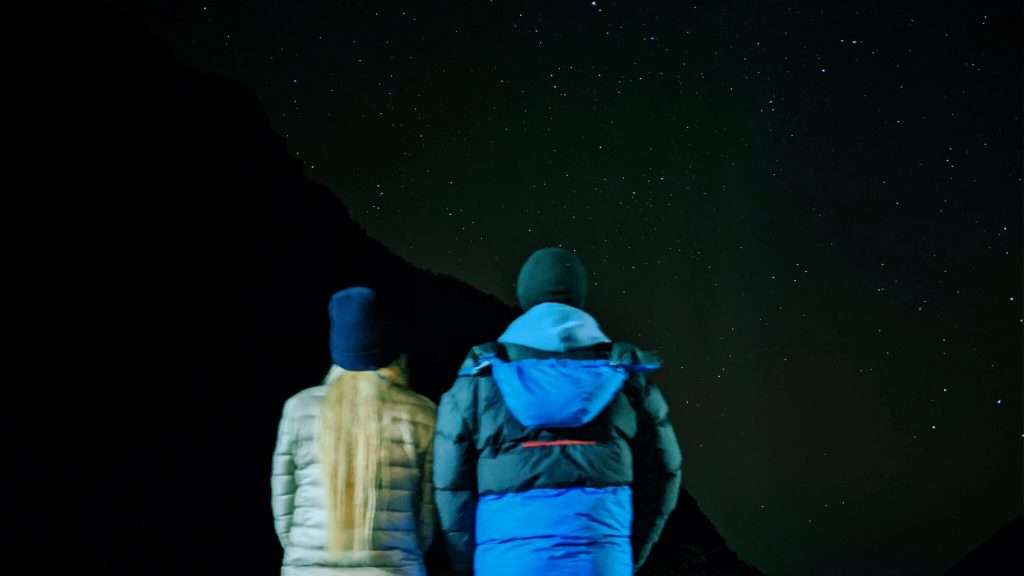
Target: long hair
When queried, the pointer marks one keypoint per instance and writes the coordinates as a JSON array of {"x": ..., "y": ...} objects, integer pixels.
[{"x": 353, "y": 457}]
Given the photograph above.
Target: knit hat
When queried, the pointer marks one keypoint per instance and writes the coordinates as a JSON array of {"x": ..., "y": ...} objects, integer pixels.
[
  {"x": 363, "y": 335},
  {"x": 552, "y": 275}
]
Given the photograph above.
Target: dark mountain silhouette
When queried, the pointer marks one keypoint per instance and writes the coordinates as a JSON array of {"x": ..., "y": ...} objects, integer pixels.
[
  {"x": 185, "y": 291},
  {"x": 1000, "y": 554}
]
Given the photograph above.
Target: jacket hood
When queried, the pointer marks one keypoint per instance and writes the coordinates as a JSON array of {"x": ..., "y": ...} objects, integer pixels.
[
  {"x": 555, "y": 392},
  {"x": 554, "y": 327},
  {"x": 558, "y": 392}
]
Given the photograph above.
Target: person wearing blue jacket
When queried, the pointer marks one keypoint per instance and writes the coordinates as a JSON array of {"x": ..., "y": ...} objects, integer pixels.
[{"x": 553, "y": 451}]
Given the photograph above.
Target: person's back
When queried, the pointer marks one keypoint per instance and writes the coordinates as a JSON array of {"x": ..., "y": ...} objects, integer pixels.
[
  {"x": 554, "y": 452},
  {"x": 351, "y": 482},
  {"x": 402, "y": 517}
]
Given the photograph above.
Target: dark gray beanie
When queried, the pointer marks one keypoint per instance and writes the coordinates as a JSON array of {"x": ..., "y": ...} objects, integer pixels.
[{"x": 552, "y": 275}]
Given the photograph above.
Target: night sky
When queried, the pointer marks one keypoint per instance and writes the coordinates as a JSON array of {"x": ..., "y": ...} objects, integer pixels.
[{"x": 813, "y": 213}]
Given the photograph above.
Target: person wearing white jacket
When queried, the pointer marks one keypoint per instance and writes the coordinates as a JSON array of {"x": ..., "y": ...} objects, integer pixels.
[{"x": 352, "y": 469}]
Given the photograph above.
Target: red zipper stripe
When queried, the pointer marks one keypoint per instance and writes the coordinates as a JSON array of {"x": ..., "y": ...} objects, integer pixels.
[{"x": 540, "y": 443}]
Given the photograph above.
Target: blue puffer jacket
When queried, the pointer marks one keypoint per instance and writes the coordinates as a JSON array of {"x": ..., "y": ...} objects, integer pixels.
[{"x": 553, "y": 452}]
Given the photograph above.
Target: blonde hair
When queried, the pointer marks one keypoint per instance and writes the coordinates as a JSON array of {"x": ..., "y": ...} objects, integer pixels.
[{"x": 353, "y": 457}]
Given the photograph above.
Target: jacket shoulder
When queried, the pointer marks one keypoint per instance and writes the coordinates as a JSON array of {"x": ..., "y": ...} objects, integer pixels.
[
  {"x": 459, "y": 401},
  {"x": 629, "y": 353},
  {"x": 475, "y": 362},
  {"x": 305, "y": 401},
  {"x": 638, "y": 384},
  {"x": 415, "y": 406}
]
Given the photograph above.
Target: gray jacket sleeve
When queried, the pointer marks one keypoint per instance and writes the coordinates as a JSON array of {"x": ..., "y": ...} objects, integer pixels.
[
  {"x": 657, "y": 469},
  {"x": 455, "y": 473},
  {"x": 282, "y": 481}
]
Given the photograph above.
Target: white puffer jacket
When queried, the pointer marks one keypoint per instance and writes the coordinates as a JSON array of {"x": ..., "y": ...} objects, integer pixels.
[{"x": 404, "y": 524}]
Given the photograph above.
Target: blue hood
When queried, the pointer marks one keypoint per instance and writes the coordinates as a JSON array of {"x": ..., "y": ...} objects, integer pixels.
[
  {"x": 554, "y": 327},
  {"x": 555, "y": 392},
  {"x": 558, "y": 392}
]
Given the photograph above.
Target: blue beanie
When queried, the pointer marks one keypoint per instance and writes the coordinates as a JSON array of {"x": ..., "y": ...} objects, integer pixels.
[
  {"x": 363, "y": 336},
  {"x": 552, "y": 275}
]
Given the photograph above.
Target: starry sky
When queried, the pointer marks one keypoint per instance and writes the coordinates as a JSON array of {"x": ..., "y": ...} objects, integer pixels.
[{"x": 812, "y": 211}]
